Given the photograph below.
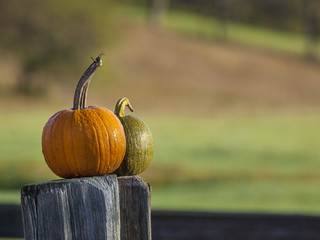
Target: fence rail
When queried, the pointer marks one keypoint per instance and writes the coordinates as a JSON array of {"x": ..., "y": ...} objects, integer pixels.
[
  {"x": 11, "y": 221},
  {"x": 176, "y": 225}
]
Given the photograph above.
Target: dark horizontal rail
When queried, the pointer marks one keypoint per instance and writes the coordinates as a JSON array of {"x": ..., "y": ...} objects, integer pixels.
[
  {"x": 11, "y": 221},
  {"x": 174, "y": 225},
  {"x": 222, "y": 226}
]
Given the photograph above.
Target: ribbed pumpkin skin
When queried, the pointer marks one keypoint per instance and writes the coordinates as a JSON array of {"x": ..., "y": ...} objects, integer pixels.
[
  {"x": 82, "y": 143},
  {"x": 139, "y": 146}
]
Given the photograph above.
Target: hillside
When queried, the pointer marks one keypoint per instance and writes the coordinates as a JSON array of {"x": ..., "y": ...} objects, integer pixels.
[
  {"x": 161, "y": 69},
  {"x": 164, "y": 72}
]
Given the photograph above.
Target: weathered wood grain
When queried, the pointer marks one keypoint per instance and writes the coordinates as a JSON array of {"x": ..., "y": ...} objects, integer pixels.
[
  {"x": 74, "y": 209},
  {"x": 135, "y": 211}
]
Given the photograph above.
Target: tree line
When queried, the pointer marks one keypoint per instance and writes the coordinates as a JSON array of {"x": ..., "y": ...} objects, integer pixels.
[
  {"x": 289, "y": 15},
  {"x": 52, "y": 35}
]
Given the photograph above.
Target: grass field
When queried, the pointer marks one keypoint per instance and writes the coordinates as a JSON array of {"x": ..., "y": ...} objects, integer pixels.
[
  {"x": 210, "y": 27},
  {"x": 265, "y": 164}
]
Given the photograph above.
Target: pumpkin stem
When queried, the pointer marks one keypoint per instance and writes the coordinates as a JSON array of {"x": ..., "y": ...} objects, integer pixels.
[
  {"x": 80, "y": 95},
  {"x": 120, "y": 107}
]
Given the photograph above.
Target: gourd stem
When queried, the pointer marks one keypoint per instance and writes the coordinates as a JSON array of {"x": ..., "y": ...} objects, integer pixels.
[
  {"x": 80, "y": 95},
  {"x": 120, "y": 107}
]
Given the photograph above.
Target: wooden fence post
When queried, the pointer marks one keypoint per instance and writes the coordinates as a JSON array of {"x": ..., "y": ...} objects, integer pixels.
[
  {"x": 135, "y": 210},
  {"x": 82, "y": 209}
]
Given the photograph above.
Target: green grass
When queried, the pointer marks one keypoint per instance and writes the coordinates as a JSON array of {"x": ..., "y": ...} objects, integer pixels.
[
  {"x": 11, "y": 238},
  {"x": 266, "y": 164},
  {"x": 285, "y": 145},
  {"x": 212, "y": 28},
  {"x": 271, "y": 196},
  {"x": 20, "y": 135},
  {"x": 10, "y": 196}
]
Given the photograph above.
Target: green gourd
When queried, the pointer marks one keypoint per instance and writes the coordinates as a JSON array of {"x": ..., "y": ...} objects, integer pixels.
[{"x": 139, "y": 141}]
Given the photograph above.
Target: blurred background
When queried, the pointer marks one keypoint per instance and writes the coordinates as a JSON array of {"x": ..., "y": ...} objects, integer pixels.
[{"x": 229, "y": 88}]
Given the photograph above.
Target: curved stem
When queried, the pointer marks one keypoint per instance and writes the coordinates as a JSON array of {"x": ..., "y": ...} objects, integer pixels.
[
  {"x": 83, "y": 97},
  {"x": 120, "y": 107},
  {"x": 80, "y": 95}
]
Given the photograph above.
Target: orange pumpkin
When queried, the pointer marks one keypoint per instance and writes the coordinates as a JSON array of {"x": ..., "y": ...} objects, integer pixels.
[{"x": 83, "y": 141}]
